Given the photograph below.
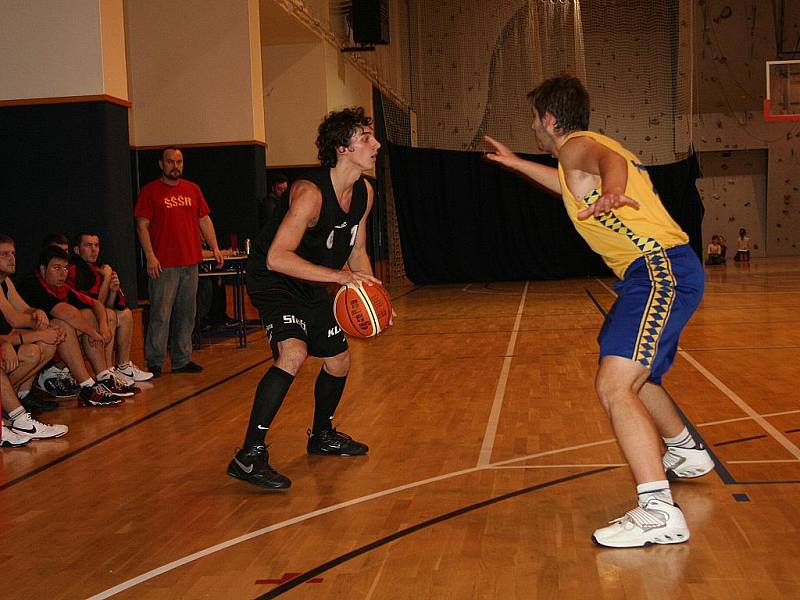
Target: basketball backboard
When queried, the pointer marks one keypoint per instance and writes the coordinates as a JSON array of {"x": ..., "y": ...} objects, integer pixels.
[{"x": 782, "y": 99}]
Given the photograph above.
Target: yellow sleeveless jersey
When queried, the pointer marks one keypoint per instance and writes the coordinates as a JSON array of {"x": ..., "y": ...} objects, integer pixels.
[{"x": 626, "y": 233}]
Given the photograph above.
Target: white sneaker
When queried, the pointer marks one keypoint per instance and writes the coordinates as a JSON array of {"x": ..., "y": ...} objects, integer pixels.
[
  {"x": 687, "y": 462},
  {"x": 121, "y": 376},
  {"x": 27, "y": 425},
  {"x": 657, "y": 522},
  {"x": 45, "y": 374},
  {"x": 58, "y": 383},
  {"x": 12, "y": 439},
  {"x": 130, "y": 370}
]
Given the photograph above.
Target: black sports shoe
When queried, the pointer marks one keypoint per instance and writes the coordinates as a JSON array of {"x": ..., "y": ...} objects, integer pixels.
[
  {"x": 190, "y": 367},
  {"x": 97, "y": 395},
  {"x": 333, "y": 442},
  {"x": 252, "y": 465},
  {"x": 34, "y": 404},
  {"x": 156, "y": 371}
]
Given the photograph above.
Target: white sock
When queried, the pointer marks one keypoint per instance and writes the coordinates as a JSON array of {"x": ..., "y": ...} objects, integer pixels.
[
  {"x": 654, "y": 489},
  {"x": 88, "y": 383},
  {"x": 104, "y": 374},
  {"x": 17, "y": 412},
  {"x": 683, "y": 440},
  {"x": 124, "y": 365}
]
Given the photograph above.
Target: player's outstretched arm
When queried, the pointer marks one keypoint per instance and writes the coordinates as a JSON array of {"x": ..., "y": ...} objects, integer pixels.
[{"x": 545, "y": 176}]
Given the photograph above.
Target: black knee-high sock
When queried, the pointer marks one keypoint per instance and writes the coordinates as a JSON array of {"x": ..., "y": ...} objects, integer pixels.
[
  {"x": 327, "y": 392},
  {"x": 270, "y": 393}
]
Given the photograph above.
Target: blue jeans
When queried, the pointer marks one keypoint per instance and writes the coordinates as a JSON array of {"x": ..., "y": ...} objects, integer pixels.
[{"x": 173, "y": 298}]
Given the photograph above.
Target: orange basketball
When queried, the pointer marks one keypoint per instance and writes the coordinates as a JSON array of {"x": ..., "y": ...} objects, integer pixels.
[{"x": 362, "y": 310}]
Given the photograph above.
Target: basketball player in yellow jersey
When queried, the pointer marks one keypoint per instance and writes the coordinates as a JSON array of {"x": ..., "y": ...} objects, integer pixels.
[{"x": 611, "y": 201}]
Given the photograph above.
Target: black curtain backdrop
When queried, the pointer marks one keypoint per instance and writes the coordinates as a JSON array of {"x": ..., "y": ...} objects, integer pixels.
[
  {"x": 462, "y": 219},
  {"x": 66, "y": 168}
]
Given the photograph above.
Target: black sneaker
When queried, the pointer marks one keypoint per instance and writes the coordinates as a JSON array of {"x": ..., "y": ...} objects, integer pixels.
[
  {"x": 97, "y": 395},
  {"x": 190, "y": 367},
  {"x": 332, "y": 442},
  {"x": 58, "y": 387},
  {"x": 34, "y": 404},
  {"x": 156, "y": 371},
  {"x": 252, "y": 465},
  {"x": 117, "y": 387}
]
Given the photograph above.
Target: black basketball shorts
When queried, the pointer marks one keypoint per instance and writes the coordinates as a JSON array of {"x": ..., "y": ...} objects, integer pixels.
[{"x": 285, "y": 316}]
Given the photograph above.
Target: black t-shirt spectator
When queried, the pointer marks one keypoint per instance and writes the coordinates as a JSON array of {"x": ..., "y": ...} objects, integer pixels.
[{"x": 39, "y": 294}]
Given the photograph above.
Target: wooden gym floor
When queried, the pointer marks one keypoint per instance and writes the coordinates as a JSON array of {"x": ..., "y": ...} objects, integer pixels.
[{"x": 490, "y": 464}]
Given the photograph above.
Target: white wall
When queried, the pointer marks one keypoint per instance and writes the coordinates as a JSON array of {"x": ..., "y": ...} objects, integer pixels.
[
  {"x": 191, "y": 72},
  {"x": 50, "y": 49},
  {"x": 346, "y": 86},
  {"x": 294, "y": 101}
]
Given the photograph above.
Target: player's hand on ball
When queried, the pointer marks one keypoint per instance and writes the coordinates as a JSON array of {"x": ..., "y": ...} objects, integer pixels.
[{"x": 357, "y": 277}]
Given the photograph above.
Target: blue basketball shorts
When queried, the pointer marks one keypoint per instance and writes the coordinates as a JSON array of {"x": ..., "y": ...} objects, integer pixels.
[{"x": 656, "y": 298}]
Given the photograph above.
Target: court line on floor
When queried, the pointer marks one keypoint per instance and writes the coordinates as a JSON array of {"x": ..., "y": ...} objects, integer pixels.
[
  {"x": 133, "y": 582},
  {"x": 763, "y": 462},
  {"x": 746, "y": 408},
  {"x": 737, "y": 419},
  {"x": 124, "y": 428},
  {"x": 310, "y": 574},
  {"x": 567, "y": 466},
  {"x": 733, "y": 397},
  {"x": 489, "y": 435}
]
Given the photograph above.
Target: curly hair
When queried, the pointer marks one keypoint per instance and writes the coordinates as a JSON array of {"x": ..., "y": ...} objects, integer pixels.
[
  {"x": 566, "y": 99},
  {"x": 336, "y": 131}
]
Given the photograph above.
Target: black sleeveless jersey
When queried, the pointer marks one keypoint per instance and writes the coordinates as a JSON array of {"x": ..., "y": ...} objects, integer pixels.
[
  {"x": 5, "y": 326},
  {"x": 328, "y": 243}
]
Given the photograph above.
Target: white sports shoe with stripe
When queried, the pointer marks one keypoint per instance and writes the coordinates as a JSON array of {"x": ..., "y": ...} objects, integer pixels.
[
  {"x": 28, "y": 426},
  {"x": 657, "y": 522},
  {"x": 687, "y": 462},
  {"x": 132, "y": 373},
  {"x": 12, "y": 439}
]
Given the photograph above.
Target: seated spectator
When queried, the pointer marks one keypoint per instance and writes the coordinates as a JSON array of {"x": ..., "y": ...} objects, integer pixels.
[
  {"x": 743, "y": 251},
  {"x": 19, "y": 427},
  {"x": 723, "y": 247},
  {"x": 714, "y": 252},
  {"x": 59, "y": 240},
  {"x": 101, "y": 282},
  {"x": 55, "y": 380},
  {"x": 26, "y": 327},
  {"x": 81, "y": 316}
]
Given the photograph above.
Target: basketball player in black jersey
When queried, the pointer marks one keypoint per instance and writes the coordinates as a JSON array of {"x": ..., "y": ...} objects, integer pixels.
[{"x": 319, "y": 227}]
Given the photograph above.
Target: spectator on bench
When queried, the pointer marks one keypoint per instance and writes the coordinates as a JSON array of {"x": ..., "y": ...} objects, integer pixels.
[
  {"x": 18, "y": 319},
  {"x": 84, "y": 316},
  {"x": 101, "y": 282}
]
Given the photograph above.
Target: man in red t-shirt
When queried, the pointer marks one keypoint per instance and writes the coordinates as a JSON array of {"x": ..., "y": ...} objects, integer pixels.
[{"x": 171, "y": 213}]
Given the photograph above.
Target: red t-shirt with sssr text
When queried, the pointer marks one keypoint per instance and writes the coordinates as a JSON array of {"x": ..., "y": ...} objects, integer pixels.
[{"x": 174, "y": 212}]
